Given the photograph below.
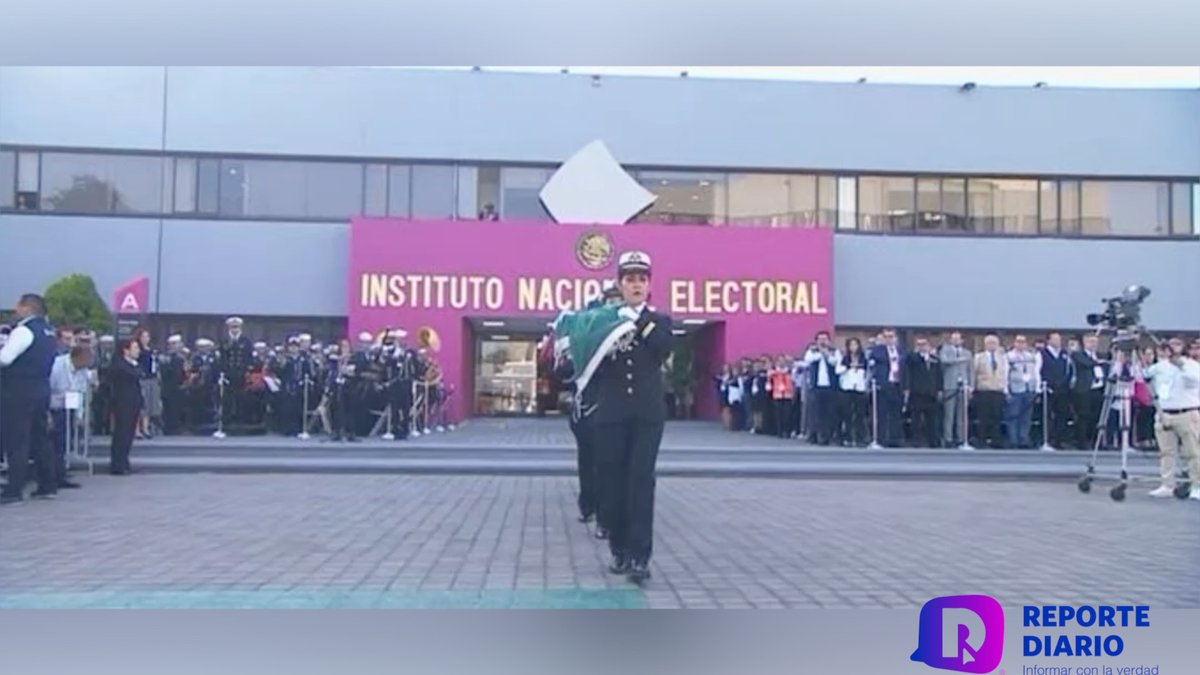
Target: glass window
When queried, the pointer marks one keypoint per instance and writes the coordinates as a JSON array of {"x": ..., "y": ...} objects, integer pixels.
[
  {"x": 433, "y": 191},
  {"x": 886, "y": 203},
  {"x": 847, "y": 203},
  {"x": 688, "y": 198},
  {"x": 505, "y": 376},
  {"x": 208, "y": 180},
  {"x": 929, "y": 205},
  {"x": 468, "y": 193},
  {"x": 282, "y": 189},
  {"x": 8, "y": 178},
  {"x": 28, "y": 172},
  {"x": 520, "y": 190},
  {"x": 399, "y": 191},
  {"x": 376, "y": 190},
  {"x": 1181, "y": 209},
  {"x": 1048, "y": 207},
  {"x": 771, "y": 200},
  {"x": 1125, "y": 208},
  {"x": 827, "y": 201},
  {"x": 487, "y": 193},
  {"x": 185, "y": 185},
  {"x": 1068, "y": 206},
  {"x": 999, "y": 206},
  {"x": 101, "y": 183}
]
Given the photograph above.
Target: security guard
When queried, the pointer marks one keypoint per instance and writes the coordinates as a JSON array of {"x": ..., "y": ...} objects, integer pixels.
[
  {"x": 629, "y": 419},
  {"x": 27, "y": 358}
]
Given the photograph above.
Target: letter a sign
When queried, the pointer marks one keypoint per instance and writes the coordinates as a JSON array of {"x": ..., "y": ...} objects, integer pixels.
[{"x": 132, "y": 297}]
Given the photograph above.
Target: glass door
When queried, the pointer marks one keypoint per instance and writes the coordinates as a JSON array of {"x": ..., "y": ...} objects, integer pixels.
[{"x": 505, "y": 376}]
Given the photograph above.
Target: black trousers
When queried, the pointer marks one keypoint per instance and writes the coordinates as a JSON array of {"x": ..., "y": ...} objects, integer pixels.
[
  {"x": 341, "y": 412},
  {"x": 628, "y": 453},
  {"x": 1060, "y": 418},
  {"x": 24, "y": 434},
  {"x": 890, "y": 417},
  {"x": 173, "y": 404},
  {"x": 823, "y": 412},
  {"x": 925, "y": 428},
  {"x": 852, "y": 412},
  {"x": 990, "y": 405},
  {"x": 587, "y": 469},
  {"x": 1088, "y": 406},
  {"x": 125, "y": 419}
]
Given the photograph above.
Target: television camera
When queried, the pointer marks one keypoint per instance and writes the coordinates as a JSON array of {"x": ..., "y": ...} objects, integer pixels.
[{"x": 1122, "y": 319}]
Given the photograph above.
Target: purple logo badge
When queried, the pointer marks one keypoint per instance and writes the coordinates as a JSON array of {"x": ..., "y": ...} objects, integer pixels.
[{"x": 963, "y": 633}]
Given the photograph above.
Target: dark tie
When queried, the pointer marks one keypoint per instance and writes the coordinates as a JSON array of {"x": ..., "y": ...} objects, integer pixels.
[{"x": 992, "y": 358}]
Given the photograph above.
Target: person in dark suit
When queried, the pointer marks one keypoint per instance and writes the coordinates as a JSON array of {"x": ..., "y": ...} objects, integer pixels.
[
  {"x": 125, "y": 382},
  {"x": 887, "y": 365},
  {"x": 26, "y": 360},
  {"x": 1088, "y": 393},
  {"x": 629, "y": 419},
  {"x": 922, "y": 387},
  {"x": 1056, "y": 374}
]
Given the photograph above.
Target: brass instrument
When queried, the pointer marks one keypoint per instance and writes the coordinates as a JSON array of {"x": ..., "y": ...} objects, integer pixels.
[{"x": 428, "y": 338}]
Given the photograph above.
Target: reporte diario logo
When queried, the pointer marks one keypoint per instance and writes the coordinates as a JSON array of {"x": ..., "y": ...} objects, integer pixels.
[{"x": 962, "y": 633}]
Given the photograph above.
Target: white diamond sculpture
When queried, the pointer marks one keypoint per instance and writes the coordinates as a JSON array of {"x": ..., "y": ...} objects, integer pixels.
[{"x": 592, "y": 188}]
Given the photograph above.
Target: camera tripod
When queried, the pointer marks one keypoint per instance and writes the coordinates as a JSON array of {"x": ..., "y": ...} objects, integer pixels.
[{"x": 1118, "y": 395}]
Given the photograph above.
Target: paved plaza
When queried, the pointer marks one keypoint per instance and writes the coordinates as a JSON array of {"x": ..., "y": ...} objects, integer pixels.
[{"x": 311, "y": 540}]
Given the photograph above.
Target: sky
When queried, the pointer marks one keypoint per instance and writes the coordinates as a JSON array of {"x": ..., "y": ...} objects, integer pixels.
[{"x": 1172, "y": 77}]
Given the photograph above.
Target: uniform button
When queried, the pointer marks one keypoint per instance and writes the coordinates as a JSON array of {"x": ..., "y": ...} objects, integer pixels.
[
  {"x": 630, "y": 390},
  {"x": 629, "y": 376},
  {"x": 629, "y": 362}
]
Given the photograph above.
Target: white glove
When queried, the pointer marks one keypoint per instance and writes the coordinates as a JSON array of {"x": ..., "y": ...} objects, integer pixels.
[{"x": 627, "y": 313}]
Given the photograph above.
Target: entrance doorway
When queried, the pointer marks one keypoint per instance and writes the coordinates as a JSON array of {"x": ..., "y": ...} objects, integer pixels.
[
  {"x": 509, "y": 377},
  {"x": 690, "y": 374}
]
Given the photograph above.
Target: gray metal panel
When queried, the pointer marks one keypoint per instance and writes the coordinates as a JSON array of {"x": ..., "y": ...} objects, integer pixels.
[
  {"x": 227, "y": 267},
  {"x": 678, "y": 122},
  {"x": 1018, "y": 283},
  {"x": 100, "y": 107},
  {"x": 39, "y": 250}
]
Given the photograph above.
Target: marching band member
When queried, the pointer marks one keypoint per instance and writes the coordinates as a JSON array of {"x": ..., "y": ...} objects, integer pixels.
[
  {"x": 340, "y": 385},
  {"x": 172, "y": 367},
  {"x": 629, "y": 420},
  {"x": 234, "y": 362},
  {"x": 400, "y": 384},
  {"x": 200, "y": 386}
]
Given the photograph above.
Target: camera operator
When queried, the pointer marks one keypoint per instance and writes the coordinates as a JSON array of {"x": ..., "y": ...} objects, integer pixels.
[
  {"x": 1088, "y": 392},
  {"x": 1175, "y": 381}
]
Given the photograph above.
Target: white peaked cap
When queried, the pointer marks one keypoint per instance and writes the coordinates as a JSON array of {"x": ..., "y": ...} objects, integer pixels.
[
  {"x": 633, "y": 260},
  {"x": 174, "y": 339},
  {"x": 234, "y": 321},
  {"x": 365, "y": 337}
]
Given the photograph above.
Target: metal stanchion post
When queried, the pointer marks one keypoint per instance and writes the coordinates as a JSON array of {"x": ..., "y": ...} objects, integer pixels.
[
  {"x": 875, "y": 417},
  {"x": 304, "y": 435},
  {"x": 966, "y": 417},
  {"x": 425, "y": 412},
  {"x": 220, "y": 432},
  {"x": 388, "y": 435},
  {"x": 1046, "y": 447}
]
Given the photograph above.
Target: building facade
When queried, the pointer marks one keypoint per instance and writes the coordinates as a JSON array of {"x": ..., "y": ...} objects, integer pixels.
[{"x": 232, "y": 188}]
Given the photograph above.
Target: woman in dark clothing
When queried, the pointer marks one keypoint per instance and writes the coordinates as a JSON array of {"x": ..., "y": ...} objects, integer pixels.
[{"x": 125, "y": 381}]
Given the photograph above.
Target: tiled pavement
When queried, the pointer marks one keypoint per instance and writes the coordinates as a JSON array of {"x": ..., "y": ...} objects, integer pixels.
[{"x": 502, "y": 541}]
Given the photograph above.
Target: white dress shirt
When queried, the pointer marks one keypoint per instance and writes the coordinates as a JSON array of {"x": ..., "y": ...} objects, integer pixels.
[
  {"x": 65, "y": 378},
  {"x": 20, "y": 339},
  {"x": 1175, "y": 387}
]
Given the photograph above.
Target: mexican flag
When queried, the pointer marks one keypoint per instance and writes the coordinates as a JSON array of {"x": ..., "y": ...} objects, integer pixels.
[{"x": 588, "y": 337}]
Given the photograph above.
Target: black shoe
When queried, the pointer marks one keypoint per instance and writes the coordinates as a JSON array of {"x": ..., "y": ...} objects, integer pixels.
[
  {"x": 44, "y": 494},
  {"x": 639, "y": 571},
  {"x": 68, "y": 485},
  {"x": 618, "y": 565},
  {"x": 601, "y": 533}
]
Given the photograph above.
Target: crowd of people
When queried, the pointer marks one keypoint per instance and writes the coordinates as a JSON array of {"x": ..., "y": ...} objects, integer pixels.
[
  {"x": 73, "y": 384},
  {"x": 943, "y": 395}
]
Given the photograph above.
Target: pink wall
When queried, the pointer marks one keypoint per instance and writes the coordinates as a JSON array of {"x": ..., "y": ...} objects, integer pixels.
[{"x": 771, "y": 287}]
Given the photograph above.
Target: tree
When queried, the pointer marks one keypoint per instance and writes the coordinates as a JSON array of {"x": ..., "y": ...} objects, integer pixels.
[
  {"x": 73, "y": 302},
  {"x": 88, "y": 194}
]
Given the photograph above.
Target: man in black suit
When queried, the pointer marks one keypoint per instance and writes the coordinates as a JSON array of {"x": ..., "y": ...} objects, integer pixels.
[
  {"x": 922, "y": 386},
  {"x": 628, "y": 421},
  {"x": 1088, "y": 393},
  {"x": 1056, "y": 374},
  {"x": 887, "y": 364}
]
